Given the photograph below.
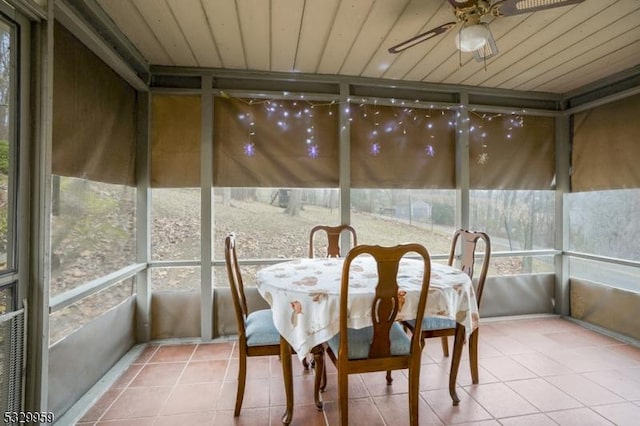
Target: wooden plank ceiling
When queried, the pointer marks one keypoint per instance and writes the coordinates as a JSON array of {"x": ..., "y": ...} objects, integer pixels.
[{"x": 556, "y": 50}]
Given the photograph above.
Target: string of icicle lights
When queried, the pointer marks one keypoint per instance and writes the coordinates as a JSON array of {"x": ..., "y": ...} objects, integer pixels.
[{"x": 304, "y": 110}]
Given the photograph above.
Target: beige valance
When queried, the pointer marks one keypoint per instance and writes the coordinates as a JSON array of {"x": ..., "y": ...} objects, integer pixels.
[
  {"x": 94, "y": 116},
  {"x": 508, "y": 151},
  {"x": 175, "y": 140},
  {"x": 397, "y": 147},
  {"x": 606, "y": 146},
  {"x": 275, "y": 144}
]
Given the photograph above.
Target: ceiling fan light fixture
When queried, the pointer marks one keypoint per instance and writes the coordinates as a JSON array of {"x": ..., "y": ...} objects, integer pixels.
[{"x": 472, "y": 37}]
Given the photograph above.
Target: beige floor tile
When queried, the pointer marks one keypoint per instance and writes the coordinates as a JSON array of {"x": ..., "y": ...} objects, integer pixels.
[
  {"x": 578, "y": 416},
  {"x": 464, "y": 374},
  {"x": 394, "y": 409},
  {"x": 540, "y": 364},
  {"x": 191, "y": 419},
  {"x": 357, "y": 388},
  {"x": 102, "y": 405},
  {"x": 376, "y": 383},
  {"x": 256, "y": 394},
  {"x": 193, "y": 398},
  {"x": 500, "y": 400},
  {"x": 302, "y": 390},
  {"x": 304, "y": 415},
  {"x": 247, "y": 417},
  {"x": 626, "y": 414},
  {"x": 173, "y": 353},
  {"x": 543, "y": 395},
  {"x": 138, "y": 402},
  {"x": 507, "y": 345},
  {"x": 623, "y": 383},
  {"x": 584, "y": 390},
  {"x": 204, "y": 371},
  {"x": 588, "y": 359},
  {"x": 538, "y": 419},
  {"x": 125, "y": 378},
  {"x": 161, "y": 374},
  {"x": 434, "y": 376},
  {"x": 504, "y": 368},
  {"x": 467, "y": 411},
  {"x": 212, "y": 351},
  {"x": 362, "y": 412}
]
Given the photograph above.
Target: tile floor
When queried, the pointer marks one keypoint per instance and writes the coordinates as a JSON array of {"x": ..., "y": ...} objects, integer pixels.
[{"x": 532, "y": 372}]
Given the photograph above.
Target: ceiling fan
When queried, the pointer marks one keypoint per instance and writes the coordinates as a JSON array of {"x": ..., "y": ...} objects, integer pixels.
[{"x": 474, "y": 34}]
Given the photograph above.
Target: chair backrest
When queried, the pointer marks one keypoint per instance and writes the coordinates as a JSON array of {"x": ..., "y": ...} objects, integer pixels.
[
  {"x": 468, "y": 242},
  {"x": 235, "y": 282},
  {"x": 387, "y": 301},
  {"x": 333, "y": 238}
]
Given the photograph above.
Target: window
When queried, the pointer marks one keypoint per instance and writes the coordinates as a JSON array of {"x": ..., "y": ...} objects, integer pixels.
[
  {"x": 394, "y": 216},
  {"x": 270, "y": 223},
  {"x": 8, "y": 167},
  {"x": 516, "y": 220},
  {"x": 175, "y": 224},
  {"x": 92, "y": 231},
  {"x": 601, "y": 223},
  {"x": 7, "y": 145},
  {"x": 71, "y": 318}
]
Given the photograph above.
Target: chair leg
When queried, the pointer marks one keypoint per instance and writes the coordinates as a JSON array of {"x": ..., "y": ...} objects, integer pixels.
[
  {"x": 305, "y": 363},
  {"x": 473, "y": 356},
  {"x": 458, "y": 343},
  {"x": 285, "y": 356},
  {"x": 389, "y": 378},
  {"x": 320, "y": 374},
  {"x": 343, "y": 396},
  {"x": 323, "y": 383},
  {"x": 445, "y": 345},
  {"x": 242, "y": 375},
  {"x": 414, "y": 392}
]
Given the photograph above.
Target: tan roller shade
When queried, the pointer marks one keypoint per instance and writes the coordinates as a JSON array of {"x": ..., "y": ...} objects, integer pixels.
[
  {"x": 94, "y": 116},
  {"x": 606, "y": 146},
  {"x": 175, "y": 141},
  {"x": 407, "y": 148},
  {"x": 519, "y": 151},
  {"x": 292, "y": 145}
]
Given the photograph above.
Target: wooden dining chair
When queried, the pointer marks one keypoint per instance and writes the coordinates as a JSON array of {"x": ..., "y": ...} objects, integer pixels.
[
  {"x": 444, "y": 327},
  {"x": 257, "y": 336},
  {"x": 333, "y": 234},
  {"x": 384, "y": 346},
  {"x": 333, "y": 238}
]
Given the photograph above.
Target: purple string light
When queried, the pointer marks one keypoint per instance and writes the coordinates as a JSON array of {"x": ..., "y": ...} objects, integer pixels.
[{"x": 249, "y": 149}]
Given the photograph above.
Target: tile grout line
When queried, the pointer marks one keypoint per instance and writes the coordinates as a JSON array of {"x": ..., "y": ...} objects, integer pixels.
[
  {"x": 175, "y": 385},
  {"x": 126, "y": 386}
]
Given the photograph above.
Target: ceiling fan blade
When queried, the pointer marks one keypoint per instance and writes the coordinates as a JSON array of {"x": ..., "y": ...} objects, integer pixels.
[
  {"x": 489, "y": 50},
  {"x": 421, "y": 37},
  {"x": 516, "y": 7},
  {"x": 463, "y": 4}
]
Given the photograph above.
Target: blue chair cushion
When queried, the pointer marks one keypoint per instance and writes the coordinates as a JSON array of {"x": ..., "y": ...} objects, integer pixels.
[
  {"x": 435, "y": 323},
  {"x": 260, "y": 330},
  {"x": 360, "y": 341}
]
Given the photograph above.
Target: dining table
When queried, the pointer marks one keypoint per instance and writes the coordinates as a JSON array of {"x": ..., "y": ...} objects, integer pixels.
[{"x": 304, "y": 295}]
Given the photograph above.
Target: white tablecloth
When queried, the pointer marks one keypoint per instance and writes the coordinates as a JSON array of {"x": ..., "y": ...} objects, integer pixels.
[{"x": 304, "y": 295}]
